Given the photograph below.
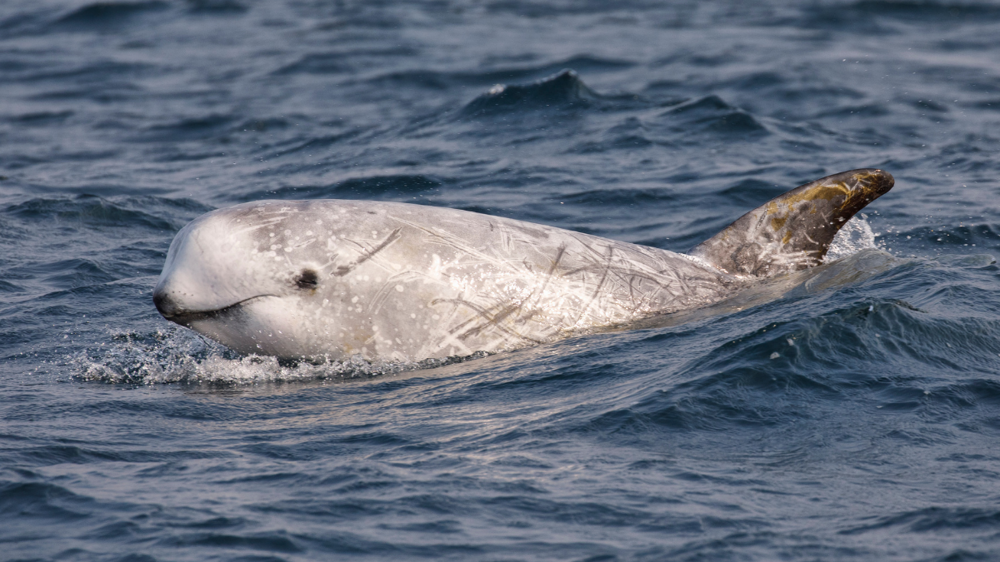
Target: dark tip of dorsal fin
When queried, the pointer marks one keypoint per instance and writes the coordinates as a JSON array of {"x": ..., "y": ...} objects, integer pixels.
[{"x": 793, "y": 231}]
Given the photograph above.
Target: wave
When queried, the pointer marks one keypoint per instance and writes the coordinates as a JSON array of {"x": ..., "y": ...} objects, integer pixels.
[
  {"x": 317, "y": 63},
  {"x": 103, "y": 240},
  {"x": 316, "y": 143},
  {"x": 41, "y": 118},
  {"x": 392, "y": 187},
  {"x": 190, "y": 128},
  {"x": 95, "y": 211},
  {"x": 439, "y": 80},
  {"x": 42, "y": 501},
  {"x": 100, "y": 15},
  {"x": 882, "y": 16},
  {"x": 604, "y": 197},
  {"x": 216, "y": 7},
  {"x": 786, "y": 373},
  {"x": 931, "y": 519},
  {"x": 107, "y": 73},
  {"x": 711, "y": 113},
  {"x": 562, "y": 90}
]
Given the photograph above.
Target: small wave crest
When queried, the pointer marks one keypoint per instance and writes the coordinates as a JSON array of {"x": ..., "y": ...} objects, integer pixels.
[
  {"x": 712, "y": 113},
  {"x": 176, "y": 355},
  {"x": 564, "y": 89}
]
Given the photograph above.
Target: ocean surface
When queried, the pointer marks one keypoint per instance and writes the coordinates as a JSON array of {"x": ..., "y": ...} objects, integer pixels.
[{"x": 848, "y": 413}]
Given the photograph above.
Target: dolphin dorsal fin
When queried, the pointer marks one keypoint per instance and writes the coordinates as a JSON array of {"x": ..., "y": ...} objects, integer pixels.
[{"x": 793, "y": 231}]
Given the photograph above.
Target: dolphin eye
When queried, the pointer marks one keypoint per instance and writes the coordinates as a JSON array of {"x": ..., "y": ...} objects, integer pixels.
[{"x": 307, "y": 279}]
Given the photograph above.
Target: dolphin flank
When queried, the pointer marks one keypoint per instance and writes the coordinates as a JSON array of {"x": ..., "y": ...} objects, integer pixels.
[{"x": 402, "y": 282}]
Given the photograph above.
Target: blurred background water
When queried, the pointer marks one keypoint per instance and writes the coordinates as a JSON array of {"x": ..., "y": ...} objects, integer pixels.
[{"x": 855, "y": 415}]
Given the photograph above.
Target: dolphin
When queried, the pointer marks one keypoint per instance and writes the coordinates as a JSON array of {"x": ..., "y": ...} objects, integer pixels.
[{"x": 397, "y": 282}]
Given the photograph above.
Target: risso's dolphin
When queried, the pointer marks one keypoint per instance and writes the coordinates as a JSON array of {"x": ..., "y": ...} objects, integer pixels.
[{"x": 402, "y": 282}]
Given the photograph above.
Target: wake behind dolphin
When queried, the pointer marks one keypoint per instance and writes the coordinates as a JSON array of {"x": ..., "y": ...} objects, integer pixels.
[{"x": 401, "y": 282}]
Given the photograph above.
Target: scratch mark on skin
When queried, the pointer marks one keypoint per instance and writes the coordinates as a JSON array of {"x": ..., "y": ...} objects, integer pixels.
[
  {"x": 600, "y": 285},
  {"x": 494, "y": 321},
  {"x": 483, "y": 313},
  {"x": 639, "y": 299},
  {"x": 345, "y": 269},
  {"x": 454, "y": 242},
  {"x": 450, "y": 340},
  {"x": 506, "y": 244},
  {"x": 540, "y": 293}
]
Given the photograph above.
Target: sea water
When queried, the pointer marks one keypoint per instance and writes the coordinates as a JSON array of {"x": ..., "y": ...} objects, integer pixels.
[{"x": 848, "y": 413}]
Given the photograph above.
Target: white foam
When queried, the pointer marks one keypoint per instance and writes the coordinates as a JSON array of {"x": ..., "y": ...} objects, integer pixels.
[{"x": 177, "y": 355}]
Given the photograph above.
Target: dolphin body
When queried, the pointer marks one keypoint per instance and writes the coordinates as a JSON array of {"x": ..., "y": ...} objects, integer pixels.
[{"x": 400, "y": 282}]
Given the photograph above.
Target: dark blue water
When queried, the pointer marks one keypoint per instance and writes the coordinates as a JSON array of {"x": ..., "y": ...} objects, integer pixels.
[{"x": 851, "y": 414}]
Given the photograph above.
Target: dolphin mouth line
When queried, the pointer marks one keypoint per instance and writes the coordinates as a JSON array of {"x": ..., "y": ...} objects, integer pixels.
[{"x": 187, "y": 317}]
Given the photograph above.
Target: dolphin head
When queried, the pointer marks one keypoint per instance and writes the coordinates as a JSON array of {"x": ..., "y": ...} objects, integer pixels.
[{"x": 247, "y": 276}]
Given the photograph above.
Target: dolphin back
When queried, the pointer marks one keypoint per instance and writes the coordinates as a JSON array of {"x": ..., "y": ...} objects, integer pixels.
[{"x": 793, "y": 231}]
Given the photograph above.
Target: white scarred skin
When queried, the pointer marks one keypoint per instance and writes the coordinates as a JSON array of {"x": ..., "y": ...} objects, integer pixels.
[{"x": 402, "y": 282}]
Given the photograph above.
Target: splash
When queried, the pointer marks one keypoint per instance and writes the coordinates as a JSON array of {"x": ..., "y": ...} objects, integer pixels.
[
  {"x": 176, "y": 355},
  {"x": 854, "y": 236}
]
